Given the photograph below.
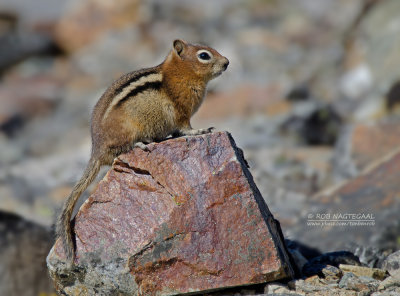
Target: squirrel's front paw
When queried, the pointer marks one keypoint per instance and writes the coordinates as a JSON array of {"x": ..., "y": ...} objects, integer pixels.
[
  {"x": 196, "y": 132},
  {"x": 210, "y": 130},
  {"x": 203, "y": 131},
  {"x": 141, "y": 145}
]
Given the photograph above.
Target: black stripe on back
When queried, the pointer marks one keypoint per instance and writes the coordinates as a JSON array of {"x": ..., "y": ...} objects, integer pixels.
[
  {"x": 134, "y": 78},
  {"x": 148, "y": 85}
]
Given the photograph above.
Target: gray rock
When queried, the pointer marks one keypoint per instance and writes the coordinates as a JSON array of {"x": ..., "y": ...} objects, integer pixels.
[
  {"x": 346, "y": 279},
  {"x": 370, "y": 256},
  {"x": 23, "y": 249},
  {"x": 392, "y": 292},
  {"x": 390, "y": 282},
  {"x": 360, "y": 284},
  {"x": 332, "y": 273},
  {"x": 308, "y": 287},
  {"x": 392, "y": 263},
  {"x": 366, "y": 272}
]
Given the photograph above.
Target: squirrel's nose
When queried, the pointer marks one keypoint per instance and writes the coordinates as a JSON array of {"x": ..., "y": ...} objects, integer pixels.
[{"x": 226, "y": 63}]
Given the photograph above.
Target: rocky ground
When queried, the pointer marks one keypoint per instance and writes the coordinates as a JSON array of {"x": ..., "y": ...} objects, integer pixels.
[
  {"x": 199, "y": 231},
  {"x": 311, "y": 95},
  {"x": 326, "y": 275}
]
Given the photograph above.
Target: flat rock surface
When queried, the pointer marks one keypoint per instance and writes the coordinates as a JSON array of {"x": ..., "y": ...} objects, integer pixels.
[{"x": 185, "y": 216}]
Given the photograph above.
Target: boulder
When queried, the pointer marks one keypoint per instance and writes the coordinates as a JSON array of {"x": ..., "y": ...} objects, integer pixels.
[
  {"x": 363, "y": 211},
  {"x": 185, "y": 216}
]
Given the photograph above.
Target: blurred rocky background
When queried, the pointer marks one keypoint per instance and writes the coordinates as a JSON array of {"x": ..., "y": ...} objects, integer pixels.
[{"x": 312, "y": 96}]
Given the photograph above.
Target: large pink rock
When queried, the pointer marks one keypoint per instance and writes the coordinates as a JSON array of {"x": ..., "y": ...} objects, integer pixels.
[{"x": 184, "y": 217}]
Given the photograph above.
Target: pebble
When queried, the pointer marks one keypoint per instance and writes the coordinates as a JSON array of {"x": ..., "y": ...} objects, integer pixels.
[{"x": 375, "y": 273}]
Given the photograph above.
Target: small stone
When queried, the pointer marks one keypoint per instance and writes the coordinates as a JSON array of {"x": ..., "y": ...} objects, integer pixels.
[
  {"x": 337, "y": 292},
  {"x": 391, "y": 281},
  {"x": 375, "y": 273},
  {"x": 372, "y": 283},
  {"x": 288, "y": 293},
  {"x": 276, "y": 288},
  {"x": 360, "y": 284},
  {"x": 392, "y": 263},
  {"x": 390, "y": 292},
  {"x": 367, "y": 279},
  {"x": 312, "y": 280},
  {"x": 332, "y": 273},
  {"x": 347, "y": 277},
  {"x": 310, "y": 285}
]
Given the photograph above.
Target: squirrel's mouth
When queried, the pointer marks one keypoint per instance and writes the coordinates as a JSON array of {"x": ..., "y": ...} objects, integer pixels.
[
  {"x": 219, "y": 72},
  {"x": 216, "y": 74},
  {"x": 218, "y": 69}
]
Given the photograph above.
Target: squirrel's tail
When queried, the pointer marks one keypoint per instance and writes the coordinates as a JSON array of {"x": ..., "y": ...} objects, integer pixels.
[{"x": 63, "y": 226}]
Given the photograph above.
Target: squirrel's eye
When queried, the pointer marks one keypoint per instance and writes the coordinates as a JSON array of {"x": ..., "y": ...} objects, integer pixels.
[{"x": 204, "y": 56}]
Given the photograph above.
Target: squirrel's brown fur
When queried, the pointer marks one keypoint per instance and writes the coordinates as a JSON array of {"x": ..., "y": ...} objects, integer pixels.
[{"x": 141, "y": 107}]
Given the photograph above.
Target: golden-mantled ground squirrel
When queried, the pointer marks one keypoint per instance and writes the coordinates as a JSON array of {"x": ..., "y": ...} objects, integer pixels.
[{"x": 141, "y": 107}]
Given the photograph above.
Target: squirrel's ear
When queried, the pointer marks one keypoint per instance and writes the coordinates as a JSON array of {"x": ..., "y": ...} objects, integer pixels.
[{"x": 179, "y": 46}]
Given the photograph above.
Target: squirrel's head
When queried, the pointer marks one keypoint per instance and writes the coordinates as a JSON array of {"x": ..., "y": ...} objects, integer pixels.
[{"x": 203, "y": 61}]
